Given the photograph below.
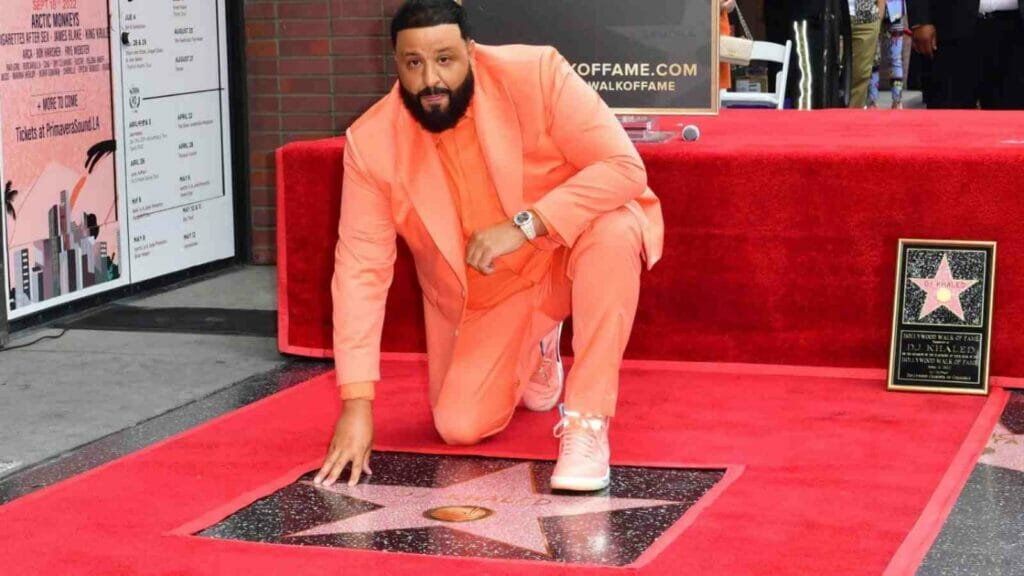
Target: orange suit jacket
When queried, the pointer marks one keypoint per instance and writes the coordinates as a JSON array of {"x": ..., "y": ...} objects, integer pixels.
[{"x": 551, "y": 145}]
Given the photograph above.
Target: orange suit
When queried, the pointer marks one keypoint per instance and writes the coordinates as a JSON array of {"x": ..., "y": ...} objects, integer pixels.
[{"x": 551, "y": 145}]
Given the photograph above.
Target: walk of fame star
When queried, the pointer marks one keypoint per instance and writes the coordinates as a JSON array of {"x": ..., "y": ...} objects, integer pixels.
[
  {"x": 943, "y": 291},
  {"x": 514, "y": 507},
  {"x": 1006, "y": 445},
  {"x": 473, "y": 506}
]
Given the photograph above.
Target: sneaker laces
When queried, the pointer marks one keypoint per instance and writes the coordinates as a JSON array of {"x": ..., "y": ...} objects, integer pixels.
[
  {"x": 542, "y": 376},
  {"x": 579, "y": 434}
]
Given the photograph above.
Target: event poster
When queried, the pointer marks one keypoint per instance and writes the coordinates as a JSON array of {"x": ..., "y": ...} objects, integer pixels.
[
  {"x": 57, "y": 163},
  {"x": 116, "y": 151},
  {"x": 171, "y": 76}
]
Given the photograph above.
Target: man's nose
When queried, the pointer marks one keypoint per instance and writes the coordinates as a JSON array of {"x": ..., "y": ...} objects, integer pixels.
[{"x": 430, "y": 76}]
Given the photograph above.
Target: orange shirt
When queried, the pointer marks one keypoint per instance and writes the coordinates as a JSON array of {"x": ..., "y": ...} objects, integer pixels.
[{"x": 478, "y": 206}]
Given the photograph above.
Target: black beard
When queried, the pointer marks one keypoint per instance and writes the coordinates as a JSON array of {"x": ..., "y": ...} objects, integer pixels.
[{"x": 437, "y": 120}]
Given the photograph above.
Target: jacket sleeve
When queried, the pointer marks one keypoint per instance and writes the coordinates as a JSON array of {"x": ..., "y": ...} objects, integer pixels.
[
  {"x": 584, "y": 129},
  {"x": 364, "y": 262},
  {"x": 920, "y": 12}
]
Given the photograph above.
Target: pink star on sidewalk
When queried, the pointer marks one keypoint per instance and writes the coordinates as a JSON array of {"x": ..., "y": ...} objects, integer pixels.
[
  {"x": 501, "y": 506},
  {"x": 943, "y": 291},
  {"x": 1005, "y": 449}
]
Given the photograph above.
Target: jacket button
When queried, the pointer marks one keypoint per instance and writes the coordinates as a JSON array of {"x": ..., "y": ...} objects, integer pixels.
[{"x": 456, "y": 331}]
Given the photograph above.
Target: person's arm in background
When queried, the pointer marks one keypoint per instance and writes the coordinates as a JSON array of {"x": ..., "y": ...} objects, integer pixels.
[
  {"x": 925, "y": 40},
  {"x": 364, "y": 261}
]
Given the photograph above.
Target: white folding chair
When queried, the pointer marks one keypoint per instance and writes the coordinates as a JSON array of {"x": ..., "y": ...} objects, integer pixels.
[{"x": 763, "y": 52}]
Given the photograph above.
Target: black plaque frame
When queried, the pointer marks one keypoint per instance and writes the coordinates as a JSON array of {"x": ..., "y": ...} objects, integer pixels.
[
  {"x": 591, "y": 31},
  {"x": 960, "y": 333}
]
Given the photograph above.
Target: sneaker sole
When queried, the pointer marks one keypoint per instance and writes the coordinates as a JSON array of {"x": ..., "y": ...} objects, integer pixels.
[{"x": 579, "y": 484}]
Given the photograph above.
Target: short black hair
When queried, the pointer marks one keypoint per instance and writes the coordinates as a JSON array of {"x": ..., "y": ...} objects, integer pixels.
[{"x": 426, "y": 13}]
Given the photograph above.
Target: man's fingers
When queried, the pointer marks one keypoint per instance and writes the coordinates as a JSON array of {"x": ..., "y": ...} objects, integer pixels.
[
  {"x": 336, "y": 470},
  {"x": 357, "y": 470},
  {"x": 486, "y": 261},
  {"x": 926, "y": 41},
  {"x": 326, "y": 468},
  {"x": 366, "y": 463},
  {"x": 472, "y": 252},
  {"x": 478, "y": 257},
  {"x": 921, "y": 44}
]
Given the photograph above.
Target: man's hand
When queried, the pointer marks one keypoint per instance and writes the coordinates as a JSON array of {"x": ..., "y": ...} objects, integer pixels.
[
  {"x": 727, "y": 5},
  {"x": 353, "y": 439},
  {"x": 490, "y": 243},
  {"x": 925, "y": 40}
]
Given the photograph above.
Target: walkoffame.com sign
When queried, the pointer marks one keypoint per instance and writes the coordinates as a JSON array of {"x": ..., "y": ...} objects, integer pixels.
[{"x": 642, "y": 56}]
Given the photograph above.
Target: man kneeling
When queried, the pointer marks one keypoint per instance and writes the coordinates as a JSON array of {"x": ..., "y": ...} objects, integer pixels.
[{"x": 523, "y": 201}]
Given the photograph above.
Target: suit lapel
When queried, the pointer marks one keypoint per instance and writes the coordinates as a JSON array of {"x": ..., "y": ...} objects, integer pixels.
[
  {"x": 422, "y": 175},
  {"x": 497, "y": 127}
]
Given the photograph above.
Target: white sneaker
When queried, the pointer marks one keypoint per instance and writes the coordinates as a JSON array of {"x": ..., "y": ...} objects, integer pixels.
[
  {"x": 544, "y": 388},
  {"x": 584, "y": 453}
]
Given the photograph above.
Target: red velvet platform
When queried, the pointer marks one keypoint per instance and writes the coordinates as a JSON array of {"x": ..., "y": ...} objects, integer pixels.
[{"x": 781, "y": 235}]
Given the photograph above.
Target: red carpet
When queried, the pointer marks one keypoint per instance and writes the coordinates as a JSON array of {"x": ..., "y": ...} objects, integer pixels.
[
  {"x": 781, "y": 235},
  {"x": 836, "y": 474}
]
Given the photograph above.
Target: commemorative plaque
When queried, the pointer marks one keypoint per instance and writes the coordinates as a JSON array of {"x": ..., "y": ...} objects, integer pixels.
[
  {"x": 641, "y": 56},
  {"x": 942, "y": 322}
]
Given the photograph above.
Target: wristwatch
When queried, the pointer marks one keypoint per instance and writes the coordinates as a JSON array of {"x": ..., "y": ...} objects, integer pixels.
[{"x": 524, "y": 221}]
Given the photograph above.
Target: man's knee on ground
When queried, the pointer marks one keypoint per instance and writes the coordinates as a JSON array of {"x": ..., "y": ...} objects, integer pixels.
[{"x": 459, "y": 427}]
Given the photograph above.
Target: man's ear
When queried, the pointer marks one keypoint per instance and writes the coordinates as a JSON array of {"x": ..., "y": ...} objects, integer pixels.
[{"x": 471, "y": 47}]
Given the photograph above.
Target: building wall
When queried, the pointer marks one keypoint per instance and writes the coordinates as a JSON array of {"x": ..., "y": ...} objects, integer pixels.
[{"x": 313, "y": 67}]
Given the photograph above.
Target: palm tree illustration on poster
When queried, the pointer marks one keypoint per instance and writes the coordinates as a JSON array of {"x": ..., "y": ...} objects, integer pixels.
[{"x": 72, "y": 255}]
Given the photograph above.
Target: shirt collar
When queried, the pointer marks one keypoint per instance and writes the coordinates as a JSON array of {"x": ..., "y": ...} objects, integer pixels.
[{"x": 467, "y": 117}]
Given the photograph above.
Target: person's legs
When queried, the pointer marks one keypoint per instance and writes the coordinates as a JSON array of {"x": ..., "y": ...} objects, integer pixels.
[
  {"x": 1002, "y": 50},
  {"x": 894, "y": 42},
  {"x": 873, "y": 83},
  {"x": 1013, "y": 77},
  {"x": 955, "y": 74},
  {"x": 865, "y": 43},
  {"x": 479, "y": 392},
  {"x": 495, "y": 352},
  {"x": 991, "y": 61},
  {"x": 599, "y": 280},
  {"x": 604, "y": 266}
]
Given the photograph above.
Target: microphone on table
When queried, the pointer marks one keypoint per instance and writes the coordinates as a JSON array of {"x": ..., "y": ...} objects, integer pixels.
[{"x": 691, "y": 133}]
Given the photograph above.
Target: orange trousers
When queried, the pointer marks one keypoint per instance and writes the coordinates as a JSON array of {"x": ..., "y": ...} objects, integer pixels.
[{"x": 597, "y": 281}]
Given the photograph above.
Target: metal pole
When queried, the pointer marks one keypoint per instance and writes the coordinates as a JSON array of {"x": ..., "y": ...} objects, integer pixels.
[{"x": 4, "y": 336}]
